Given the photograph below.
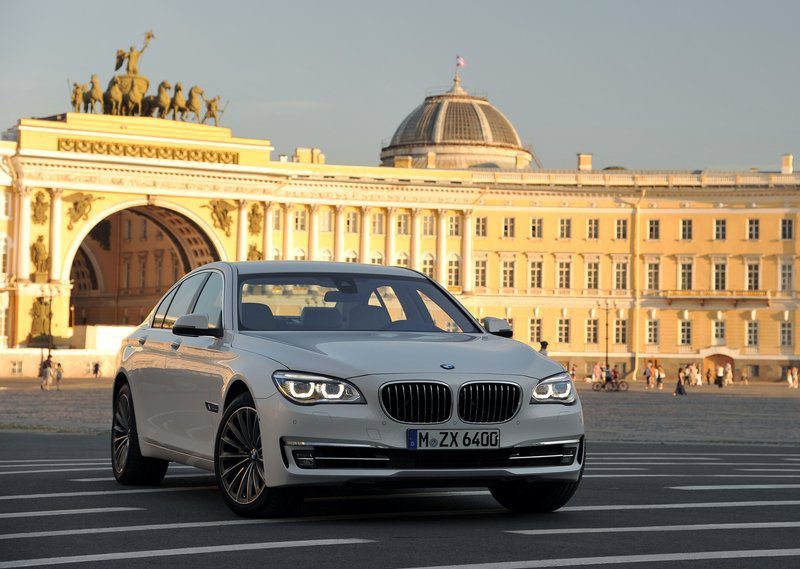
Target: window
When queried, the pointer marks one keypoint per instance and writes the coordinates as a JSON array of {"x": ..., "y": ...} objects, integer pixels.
[
  {"x": 536, "y": 274},
  {"x": 593, "y": 228},
  {"x": 428, "y": 225},
  {"x": 351, "y": 222},
  {"x": 454, "y": 226},
  {"x": 209, "y": 303},
  {"x": 299, "y": 254},
  {"x": 720, "y": 230},
  {"x": 621, "y": 275},
  {"x": 159, "y": 271},
  {"x": 685, "y": 333},
  {"x": 563, "y": 330},
  {"x": 787, "y": 334},
  {"x": 536, "y": 228},
  {"x": 128, "y": 229},
  {"x": 593, "y": 275},
  {"x": 377, "y": 223},
  {"x": 508, "y": 274},
  {"x": 753, "y": 230},
  {"x": 652, "y": 332},
  {"x": 16, "y": 367},
  {"x": 654, "y": 229},
  {"x": 142, "y": 270},
  {"x": 787, "y": 276},
  {"x": 787, "y": 229},
  {"x": 3, "y": 255},
  {"x": 753, "y": 275},
  {"x": 181, "y": 301},
  {"x": 565, "y": 228},
  {"x": 276, "y": 222},
  {"x": 326, "y": 221},
  {"x": 753, "y": 371},
  {"x": 752, "y": 333},
  {"x": 144, "y": 229},
  {"x": 126, "y": 274},
  {"x": 564, "y": 274},
  {"x": 351, "y": 257},
  {"x": 402, "y": 260},
  {"x": 535, "y": 327},
  {"x": 686, "y": 229},
  {"x": 376, "y": 258},
  {"x": 480, "y": 226},
  {"x": 620, "y": 331},
  {"x": 720, "y": 276},
  {"x": 685, "y": 275},
  {"x": 427, "y": 265},
  {"x": 176, "y": 268},
  {"x": 480, "y": 273},
  {"x": 453, "y": 270},
  {"x": 300, "y": 220},
  {"x": 325, "y": 255},
  {"x": 403, "y": 224},
  {"x": 653, "y": 275},
  {"x": 592, "y": 328},
  {"x": 509, "y": 229},
  {"x": 718, "y": 333},
  {"x": 621, "y": 229}
]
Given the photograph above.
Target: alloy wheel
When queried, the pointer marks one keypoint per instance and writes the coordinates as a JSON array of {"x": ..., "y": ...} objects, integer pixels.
[
  {"x": 122, "y": 428},
  {"x": 241, "y": 465}
]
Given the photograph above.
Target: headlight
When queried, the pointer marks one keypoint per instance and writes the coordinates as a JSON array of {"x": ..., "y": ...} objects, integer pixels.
[
  {"x": 556, "y": 389},
  {"x": 308, "y": 389}
]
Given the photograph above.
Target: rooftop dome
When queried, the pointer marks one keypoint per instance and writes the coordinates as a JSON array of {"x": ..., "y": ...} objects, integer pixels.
[{"x": 456, "y": 130}]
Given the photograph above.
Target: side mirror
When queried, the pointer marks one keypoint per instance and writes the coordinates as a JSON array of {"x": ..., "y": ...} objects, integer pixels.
[
  {"x": 498, "y": 327},
  {"x": 194, "y": 325}
]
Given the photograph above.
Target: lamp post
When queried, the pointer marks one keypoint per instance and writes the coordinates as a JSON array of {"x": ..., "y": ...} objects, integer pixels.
[
  {"x": 607, "y": 306},
  {"x": 50, "y": 292}
]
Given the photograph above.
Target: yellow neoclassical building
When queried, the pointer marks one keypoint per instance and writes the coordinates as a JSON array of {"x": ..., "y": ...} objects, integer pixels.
[{"x": 99, "y": 214}]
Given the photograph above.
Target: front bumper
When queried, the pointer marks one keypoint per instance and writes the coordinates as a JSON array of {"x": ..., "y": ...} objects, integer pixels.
[{"x": 360, "y": 444}]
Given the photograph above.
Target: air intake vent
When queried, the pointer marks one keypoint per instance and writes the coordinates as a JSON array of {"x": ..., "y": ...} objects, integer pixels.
[
  {"x": 488, "y": 402},
  {"x": 417, "y": 402}
]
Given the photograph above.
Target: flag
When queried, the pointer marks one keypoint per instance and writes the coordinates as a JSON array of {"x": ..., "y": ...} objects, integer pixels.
[{"x": 460, "y": 61}]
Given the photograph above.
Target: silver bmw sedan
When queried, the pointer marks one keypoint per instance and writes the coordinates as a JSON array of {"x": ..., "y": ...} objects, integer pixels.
[{"x": 278, "y": 376}]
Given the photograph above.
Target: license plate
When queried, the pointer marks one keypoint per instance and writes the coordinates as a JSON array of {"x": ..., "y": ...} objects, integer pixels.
[{"x": 418, "y": 439}]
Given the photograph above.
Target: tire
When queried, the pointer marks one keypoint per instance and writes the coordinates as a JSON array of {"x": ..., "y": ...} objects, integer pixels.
[
  {"x": 127, "y": 462},
  {"x": 239, "y": 465},
  {"x": 536, "y": 497},
  {"x": 623, "y": 386},
  {"x": 596, "y": 386}
]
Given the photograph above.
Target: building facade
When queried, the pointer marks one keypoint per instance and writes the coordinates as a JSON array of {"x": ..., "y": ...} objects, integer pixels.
[{"x": 100, "y": 214}]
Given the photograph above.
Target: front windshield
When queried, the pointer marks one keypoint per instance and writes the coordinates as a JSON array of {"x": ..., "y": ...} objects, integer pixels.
[{"x": 331, "y": 301}]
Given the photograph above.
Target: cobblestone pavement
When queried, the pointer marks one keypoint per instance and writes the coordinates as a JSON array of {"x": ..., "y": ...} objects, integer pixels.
[{"x": 756, "y": 413}]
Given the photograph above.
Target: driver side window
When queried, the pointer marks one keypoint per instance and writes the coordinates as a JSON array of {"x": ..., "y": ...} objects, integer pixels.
[{"x": 209, "y": 303}]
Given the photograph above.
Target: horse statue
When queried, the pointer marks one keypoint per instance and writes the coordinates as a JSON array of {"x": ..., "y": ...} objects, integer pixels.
[
  {"x": 178, "y": 103},
  {"x": 112, "y": 99},
  {"x": 132, "y": 102},
  {"x": 195, "y": 103},
  {"x": 160, "y": 102},
  {"x": 92, "y": 94}
]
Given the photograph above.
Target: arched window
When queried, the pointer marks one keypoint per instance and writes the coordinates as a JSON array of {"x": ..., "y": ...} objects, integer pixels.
[
  {"x": 376, "y": 258},
  {"x": 299, "y": 254},
  {"x": 402, "y": 260},
  {"x": 276, "y": 254},
  {"x": 351, "y": 257},
  {"x": 325, "y": 255},
  {"x": 427, "y": 264},
  {"x": 453, "y": 270}
]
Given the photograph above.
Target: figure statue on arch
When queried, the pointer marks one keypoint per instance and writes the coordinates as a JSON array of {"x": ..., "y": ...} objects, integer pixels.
[{"x": 133, "y": 56}]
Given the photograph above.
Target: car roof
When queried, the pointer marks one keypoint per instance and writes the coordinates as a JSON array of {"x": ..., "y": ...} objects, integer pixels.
[{"x": 261, "y": 267}]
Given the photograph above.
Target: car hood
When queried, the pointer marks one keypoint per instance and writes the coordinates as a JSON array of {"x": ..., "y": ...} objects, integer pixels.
[{"x": 351, "y": 354}]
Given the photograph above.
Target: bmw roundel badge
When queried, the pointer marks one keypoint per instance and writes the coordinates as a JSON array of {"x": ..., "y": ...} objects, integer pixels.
[{"x": 448, "y": 366}]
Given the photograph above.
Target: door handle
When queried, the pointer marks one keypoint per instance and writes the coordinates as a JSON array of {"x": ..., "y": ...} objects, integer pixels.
[
  {"x": 142, "y": 340},
  {"x": 175, "y": 345}
]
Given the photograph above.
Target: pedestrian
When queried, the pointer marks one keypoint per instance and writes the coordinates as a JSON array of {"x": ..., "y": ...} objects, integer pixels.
[
  {"x": 615, "y": 373},
  {"x": 698, "y": 377},
  {"x": 795, "y": 379},
  {"x": 96, "y": 369},
  {"x": 728, "y": 374},
  {"x": 662, "y": 375},
  {"x": 542, "y": 348},
  {"x": 596, "y": 372},
  {"x": 59, "y": 375},
  {"x": 648, "y": 376},
  {"x": 680, "y": 389},
  {"x": 744, "y": 376},
  {"x": 609, "y": 378},
  {"x": 720, "y": 381},
  {"x": 574, "y": 372},
  {"x": 45, "y": 373},
  {"x": 708, "y": 376}
]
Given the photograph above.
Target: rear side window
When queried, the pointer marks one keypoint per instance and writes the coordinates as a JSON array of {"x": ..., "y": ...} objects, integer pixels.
[
  {"x": 183, "y": 299},
  {"x": 161, "y": 311},
  {"x": 209, "y": 303}
]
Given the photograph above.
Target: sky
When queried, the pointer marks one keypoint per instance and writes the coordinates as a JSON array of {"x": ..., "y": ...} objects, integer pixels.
[{"x": 658, "y": 85}]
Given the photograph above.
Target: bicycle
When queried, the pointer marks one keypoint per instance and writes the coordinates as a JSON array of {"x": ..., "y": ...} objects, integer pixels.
[{"x": 613, "y": 385}]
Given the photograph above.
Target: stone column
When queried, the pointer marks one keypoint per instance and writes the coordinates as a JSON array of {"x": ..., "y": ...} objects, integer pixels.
[
  {"x": 313, "y": 232},
  {"x": 364, "y": 253},
  {"x": 441, "y": 246},
  {"x": 241, "y": 232},
  {"x": 269, "y": 225},
  {"x": 416, "y": 235},
  {"x": 24, "y": 234},
  {"x": 288, "y": 231},
  {"x": 391, "y": 231},
  {"x": 55, "y": 235},
  {"x": 467, "y": 264},
  {"x": 338, "y": 239}
]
